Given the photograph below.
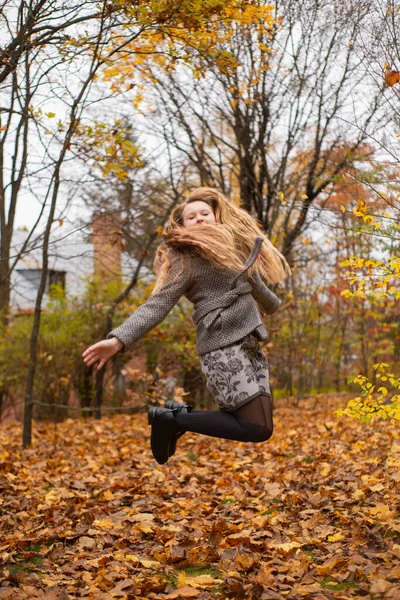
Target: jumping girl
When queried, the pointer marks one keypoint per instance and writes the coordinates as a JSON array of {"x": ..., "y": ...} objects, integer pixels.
[{"x": 216, "y": 255}]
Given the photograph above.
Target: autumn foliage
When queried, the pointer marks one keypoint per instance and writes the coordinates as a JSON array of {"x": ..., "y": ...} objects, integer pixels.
[{"x": 87, "y": 513}]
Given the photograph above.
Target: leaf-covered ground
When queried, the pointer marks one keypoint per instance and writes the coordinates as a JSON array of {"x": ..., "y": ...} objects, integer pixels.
[{"x": 313, "y": 513}]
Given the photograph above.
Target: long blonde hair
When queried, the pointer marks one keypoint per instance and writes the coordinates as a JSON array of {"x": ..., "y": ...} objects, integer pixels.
[{"x": 228, "y": 246}]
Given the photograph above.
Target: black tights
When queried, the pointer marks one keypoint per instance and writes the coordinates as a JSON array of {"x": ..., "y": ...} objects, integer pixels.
[{"x": 249, "y": 423}]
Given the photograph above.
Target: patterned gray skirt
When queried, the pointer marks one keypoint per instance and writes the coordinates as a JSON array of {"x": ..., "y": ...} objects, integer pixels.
[{"x": 236, "y": 373}]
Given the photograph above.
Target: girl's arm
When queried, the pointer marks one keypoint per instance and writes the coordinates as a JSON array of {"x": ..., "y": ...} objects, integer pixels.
[
  {"x": 157, "y": 307},
  {"x": 263, "y": 295},
  {"x": 145, "y": 318}
]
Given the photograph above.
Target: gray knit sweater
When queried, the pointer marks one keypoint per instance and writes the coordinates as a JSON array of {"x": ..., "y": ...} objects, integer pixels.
[{"x": 225, "y": 310}]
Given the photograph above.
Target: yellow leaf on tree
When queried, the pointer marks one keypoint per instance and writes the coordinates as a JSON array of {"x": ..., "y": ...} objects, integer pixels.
[{"x": 392, "y": 77}]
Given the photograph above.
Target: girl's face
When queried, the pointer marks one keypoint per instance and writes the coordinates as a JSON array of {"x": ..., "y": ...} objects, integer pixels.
[{"x": 197, "y": 213}]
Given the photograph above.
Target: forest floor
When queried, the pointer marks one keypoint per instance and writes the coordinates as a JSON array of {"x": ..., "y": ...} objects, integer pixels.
[{"x": 86, "y": 512}]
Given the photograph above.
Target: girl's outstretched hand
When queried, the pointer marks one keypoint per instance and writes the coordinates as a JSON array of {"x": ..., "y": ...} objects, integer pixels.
[{"x": 102, "y": 351}]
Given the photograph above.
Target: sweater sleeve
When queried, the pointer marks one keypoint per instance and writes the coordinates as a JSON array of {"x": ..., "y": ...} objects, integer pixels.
[
  {"x": 157, "y": 307},
  {"x": 268, "y": 301}
]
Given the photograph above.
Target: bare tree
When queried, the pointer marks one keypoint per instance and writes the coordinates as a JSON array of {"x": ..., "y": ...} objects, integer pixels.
[
  {"x": 55, "y": 52},
  {"x": 138, "y": 206},
  {"x": 100, "y": 53},
  {"x": 44, "y": 44},
  {"x": 266, "y": 123}
]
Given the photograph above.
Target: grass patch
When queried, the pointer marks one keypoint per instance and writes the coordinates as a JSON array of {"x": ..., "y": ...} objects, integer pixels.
[
  {"x": 196, "y": 570},
  {"x": 193, "y": 570},
  {"x": 199, "y": 569},
  {"x": 332, "y": 585},
  {"x": 192, "y": 457},
  {"x": 228, "y": 501},
  {"x": 35, "y": 547},
  {"x": 29, "y": 560},
  {"x": 392, "y": 535},
  {"x": 309, "y": 550},
  {"x": 29, "y": 565},
  {"x": 270, "y": 511}
]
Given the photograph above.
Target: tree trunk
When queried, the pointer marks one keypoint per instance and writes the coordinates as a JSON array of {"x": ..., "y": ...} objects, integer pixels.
[
  {"x": 99, "y": 392},
  {"x": 5, "y": 278},
  {"x": 27, "y": 432}
]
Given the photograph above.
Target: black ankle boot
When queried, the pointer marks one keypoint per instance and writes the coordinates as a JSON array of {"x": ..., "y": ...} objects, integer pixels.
[
  {"x": 181, "y": 408},
  {"x": 163, "y": 430}
]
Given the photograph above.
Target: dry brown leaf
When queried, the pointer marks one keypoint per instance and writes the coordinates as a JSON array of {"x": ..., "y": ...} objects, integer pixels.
[
  {"x": 394, "y": 573},
  {"x": 242, "y": 537},
  {"x": 273, "y": 489},
  {"x": 287, "y": 547},
  {"x": 141, "y": 517},
  {"x": 274, "y": 500},
  {"x": 87, "y": 542},
  {"x": 382, "y": 512},
  {"x": 264, "y": 577},
  {"x": 380, "y": 586},
  {"x": 55, "y": 593},
  {"x": 184, "y": 592},
  {"x": 245, "y": 562},
  {"x": 331, "y": 564},
  {"x": 336, "y": 537},
  {"x": 149, "y": 564},
  {"x": 395, "y": 550},
  {"x": 121, "y": 589},
  {"x": 203, "y": 581}
]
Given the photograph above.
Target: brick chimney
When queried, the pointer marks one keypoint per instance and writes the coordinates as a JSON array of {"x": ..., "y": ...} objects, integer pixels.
[{"x": 107, "y": 245}]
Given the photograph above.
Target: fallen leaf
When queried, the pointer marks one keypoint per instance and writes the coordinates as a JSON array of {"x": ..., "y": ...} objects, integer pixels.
[
  {"x": 184, "y": 592},
  {"x": 287, "y": 547},
  {"x": 336, "y": 537},
  {"x": 380, "y": 586},
  {"x": 331, "y": 565},
  {"x": 121, "y": 588},
  {"x": 382, "y": 512},
  {"x": 55, "y": 593},
  {"x": 273, "y": 489},
  {"x": 246, "y": 562},
  {"x": 86, "y": 542},
  {"x": 150, "y": 564},
  {"x": 203, "y": 581}
]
